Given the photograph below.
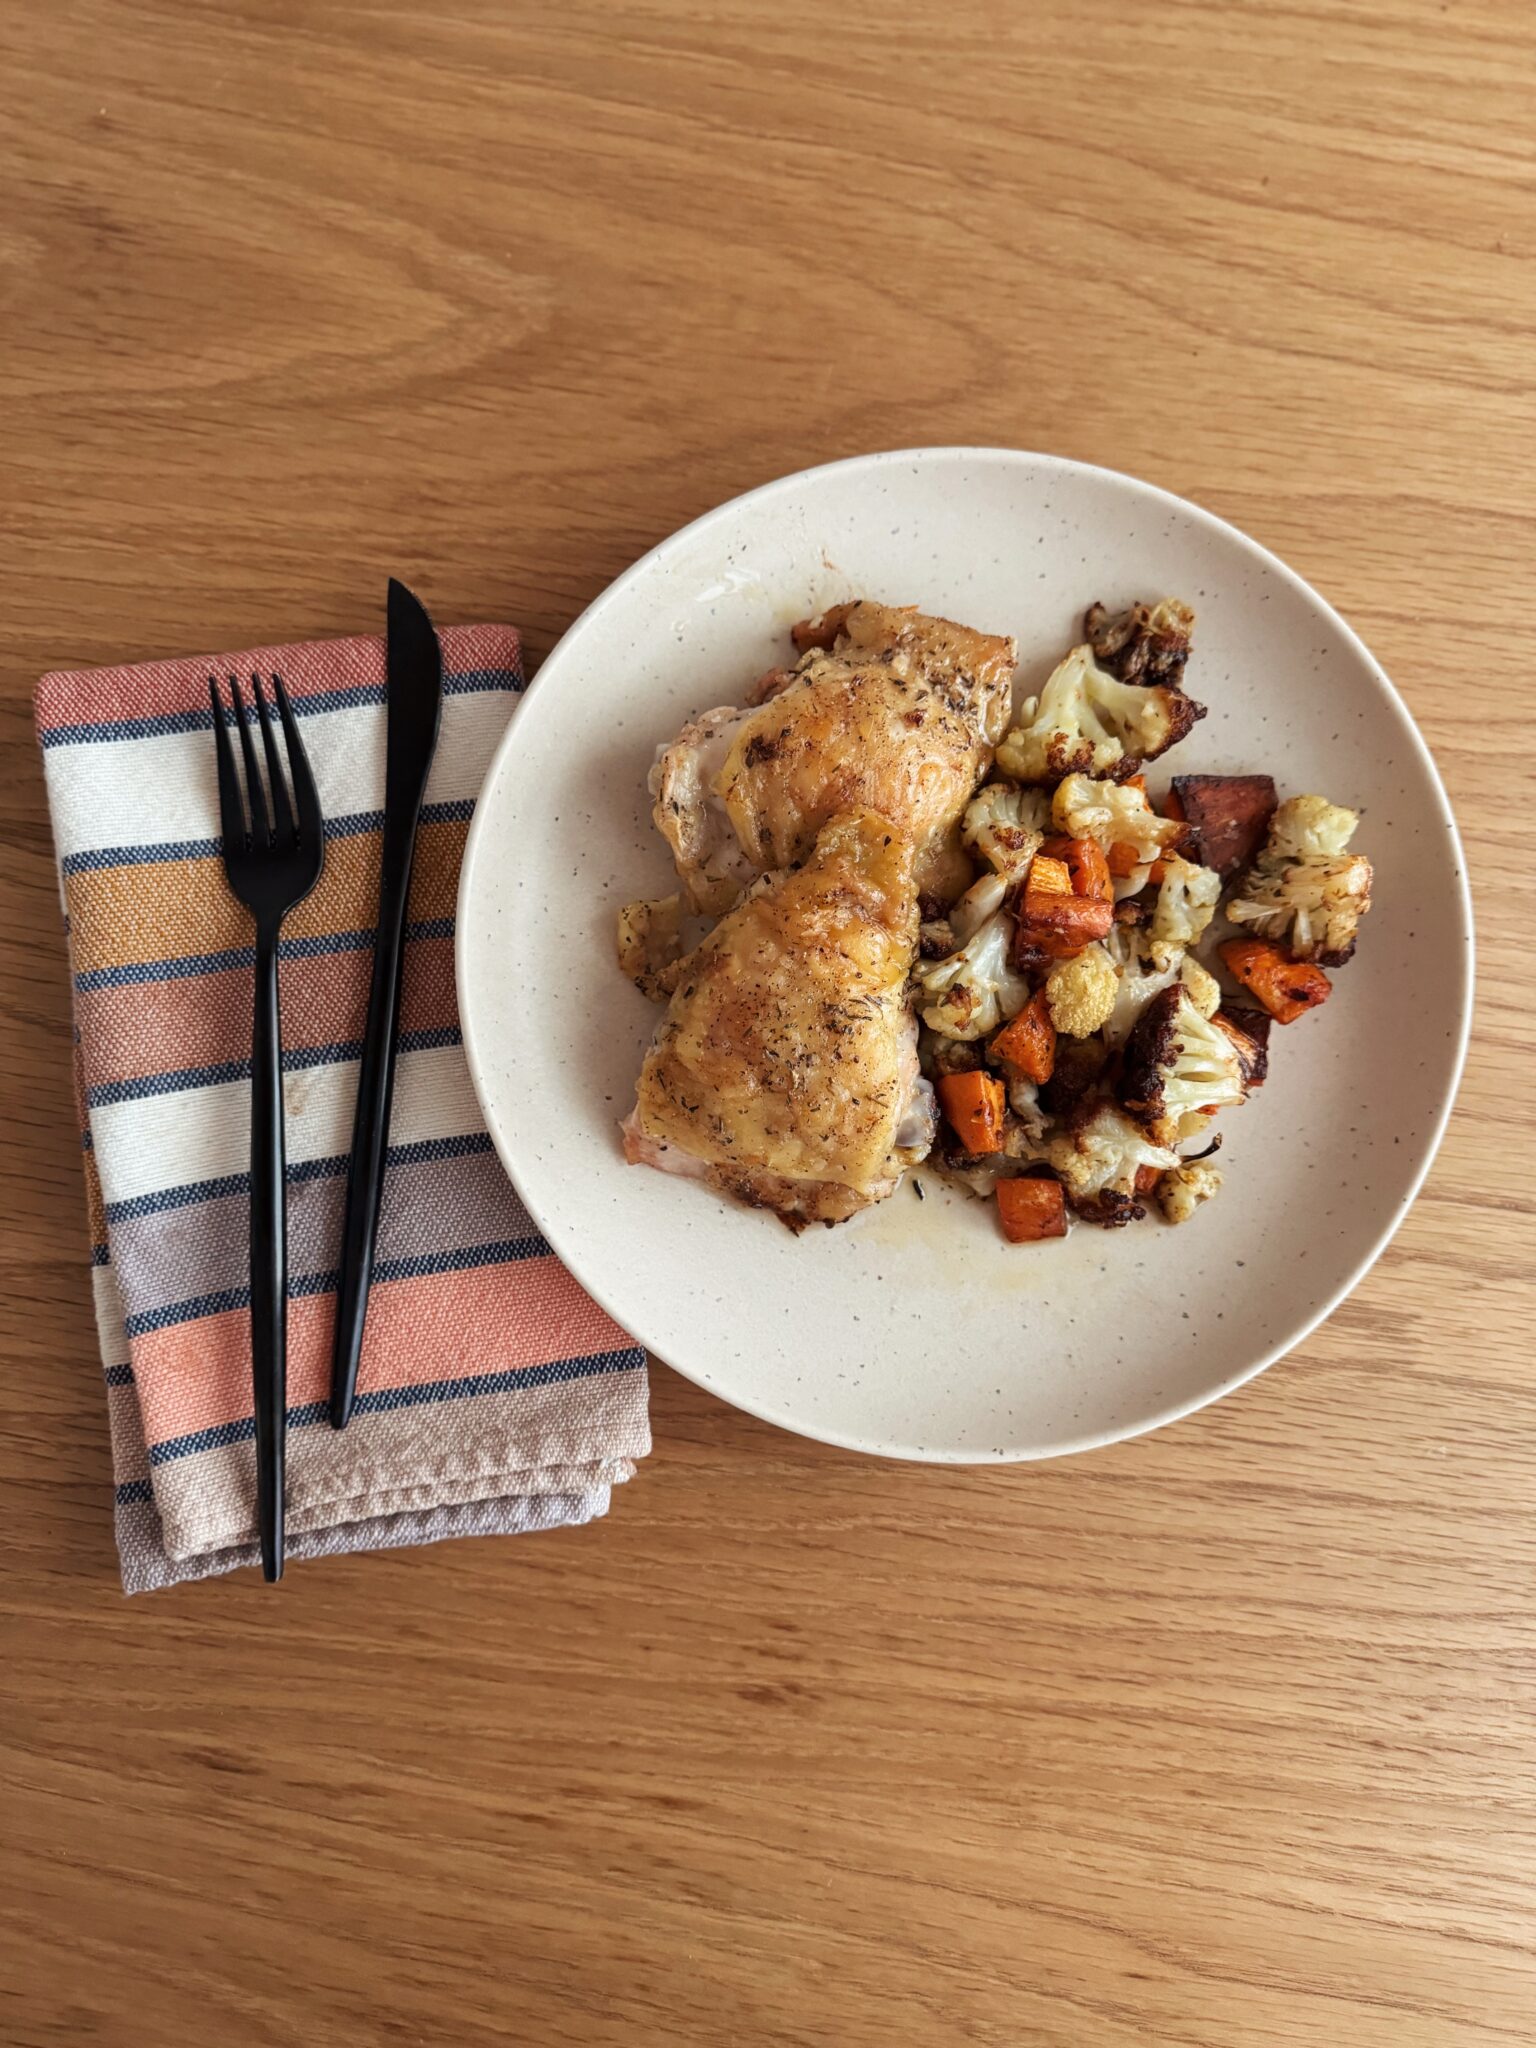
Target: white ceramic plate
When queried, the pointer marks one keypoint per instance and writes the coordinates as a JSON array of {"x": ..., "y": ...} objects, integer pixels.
[{"x": 915, "y": 1331}]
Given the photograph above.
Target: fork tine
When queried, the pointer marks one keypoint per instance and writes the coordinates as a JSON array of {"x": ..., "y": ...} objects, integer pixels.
[
  {"x": 282, "y": 810},
  {"x": 261, "y": 830},
  {"x": 231, "y": 810},
  {"x": 304, "y": 794}
]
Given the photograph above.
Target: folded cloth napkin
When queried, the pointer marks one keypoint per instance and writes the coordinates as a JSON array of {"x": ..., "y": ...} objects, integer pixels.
[{"x": 495, "y": 1394}]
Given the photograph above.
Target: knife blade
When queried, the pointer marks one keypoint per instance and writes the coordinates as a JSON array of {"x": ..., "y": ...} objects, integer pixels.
[{"x": 414, "y": 704}]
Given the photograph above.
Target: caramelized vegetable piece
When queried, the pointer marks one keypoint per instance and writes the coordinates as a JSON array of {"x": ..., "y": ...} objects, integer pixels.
[
  {"x": 1228, "y": 817},
  {"x": 1184, "y": 844},
  {"x": 1147, "y": 1178},
  {"x": 1054, "y": 927},
  {"x": 1124, "y": 859},
  {"x": 1249, "y": 1033},
  {"x": 1028, "y": 1044},
  {"x": 822, "y": 631},
  {"x": 1029, "y": 1210},
  {"x": 1287, "y": 988},
  {"x": 1049, "y": 876},
  {"x": 1087, "y": 869},
  {"x": 974, "y": 1104},
  {"x": 1079, "y": 1064}
]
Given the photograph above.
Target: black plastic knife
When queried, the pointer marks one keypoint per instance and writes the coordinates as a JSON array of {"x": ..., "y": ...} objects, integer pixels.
[{"x": 414, "y": 678}]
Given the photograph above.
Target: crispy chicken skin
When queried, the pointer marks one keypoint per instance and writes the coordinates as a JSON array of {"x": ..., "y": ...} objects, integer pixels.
[
  {"x": 886, "y": 708},
  {"x": 785, "y": 1072}
]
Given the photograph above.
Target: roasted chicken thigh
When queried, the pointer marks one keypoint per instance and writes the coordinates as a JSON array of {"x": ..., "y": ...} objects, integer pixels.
[
  {"x": 785, "y": 1071},
  {"x": 886, "y": 708}
]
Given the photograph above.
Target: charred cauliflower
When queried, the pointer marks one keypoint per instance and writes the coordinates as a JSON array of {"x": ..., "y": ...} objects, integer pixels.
[
  {"x": 1149, "y": 643},
  {"x": 1140, "y": 978},
  {"x": 1304, "y": 889},
  {"x": 1081, "y": 992},
  {"x": 973, "y": 991},
  {"x": 1183, "y": 1188},
  {"x": 1005, "y": 825},
  {"x": 1098, "y": 1157},
  {"x": 1178, "y": 1069},
  {"x": 1087, "y": 722},
  {"x": 1144, "y": 971}
]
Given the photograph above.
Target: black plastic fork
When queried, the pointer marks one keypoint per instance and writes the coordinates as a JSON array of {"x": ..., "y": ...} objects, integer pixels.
[{"x": 271, "y": 860}]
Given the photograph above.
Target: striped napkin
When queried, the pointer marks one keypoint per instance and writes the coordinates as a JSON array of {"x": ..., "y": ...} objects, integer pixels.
[{"x": 495, "y": 1395}]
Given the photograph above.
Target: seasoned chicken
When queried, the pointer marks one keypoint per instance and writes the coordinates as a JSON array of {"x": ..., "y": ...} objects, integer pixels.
[
  {"x": 785, "y": 1071},
  {"x": 886, "y": 708}
]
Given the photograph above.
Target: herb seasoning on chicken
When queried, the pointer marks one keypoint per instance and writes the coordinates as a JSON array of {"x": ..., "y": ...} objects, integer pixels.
[
  {"x": 897, "y": 712},
  {"x": 785, "y": 1072}
]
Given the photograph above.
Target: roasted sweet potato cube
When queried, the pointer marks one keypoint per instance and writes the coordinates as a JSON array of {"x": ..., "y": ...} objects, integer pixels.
[
  {"x": 1029, "y": 1210},
  {"x": 975, "y": 1104},
  {"x": 1054, "y": 926},
  {"x": 1287, "y": 988},
  {"x": 1027, "y": 1045},
  {"x": 1228, "y": 817},
  {"x": 1086, "y": 867},
  {"x": 1049, "y": 874}
]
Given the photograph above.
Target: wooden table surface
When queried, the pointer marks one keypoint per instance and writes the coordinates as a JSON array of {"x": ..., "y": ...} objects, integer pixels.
[{"x": 1223, "y": 1738}]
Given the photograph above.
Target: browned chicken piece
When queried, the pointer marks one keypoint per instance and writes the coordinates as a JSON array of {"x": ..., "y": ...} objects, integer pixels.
[
  {"x": 899, "y": 713},
  {"x": 650, "y": 943},
  {"x": 785, "y": 1071}
]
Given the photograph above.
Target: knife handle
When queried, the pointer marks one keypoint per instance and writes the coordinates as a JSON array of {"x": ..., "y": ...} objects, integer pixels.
[{"x": 370, "y": 1129}]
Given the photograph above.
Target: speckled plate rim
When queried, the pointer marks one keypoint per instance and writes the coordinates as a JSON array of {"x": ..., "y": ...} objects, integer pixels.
[{"x": 578, "y": 1255}]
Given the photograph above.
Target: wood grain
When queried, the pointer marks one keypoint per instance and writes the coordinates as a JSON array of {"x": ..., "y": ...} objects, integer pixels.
[{"x": 1222, "y": 1739}]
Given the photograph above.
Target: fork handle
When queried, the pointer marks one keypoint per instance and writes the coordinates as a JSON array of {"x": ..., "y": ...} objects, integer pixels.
[{"x": 269, "y": 1256}]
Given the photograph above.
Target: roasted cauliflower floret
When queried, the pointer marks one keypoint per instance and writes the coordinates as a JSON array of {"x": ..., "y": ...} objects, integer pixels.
[
  {"x": 1183, "y": 1188},
  {"x": 1178, "y": 1069},
  {"x": 1098, "y": 1157},
  {"x": 1005, "y": 824},
  {"x": 982, "y": 900},
  {"x": 1113, "y": 815},
  {"x": 1140, "y": 978},
  {"x": 1086, "y": 722},
  {"x": 1144, "y": 971},
  {"x": 1304, "y": 889},
  {"x": 1149, "y": 643},
  {"x": 973, "y": 991},
  {"x": 1081, "y": 992},
  {"x": 1186, "y": 903},
  {"x": 1203, "y": 987}
]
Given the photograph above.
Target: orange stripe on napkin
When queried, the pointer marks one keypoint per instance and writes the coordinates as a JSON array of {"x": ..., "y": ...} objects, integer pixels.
[{"x": 171, "y": 910}]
